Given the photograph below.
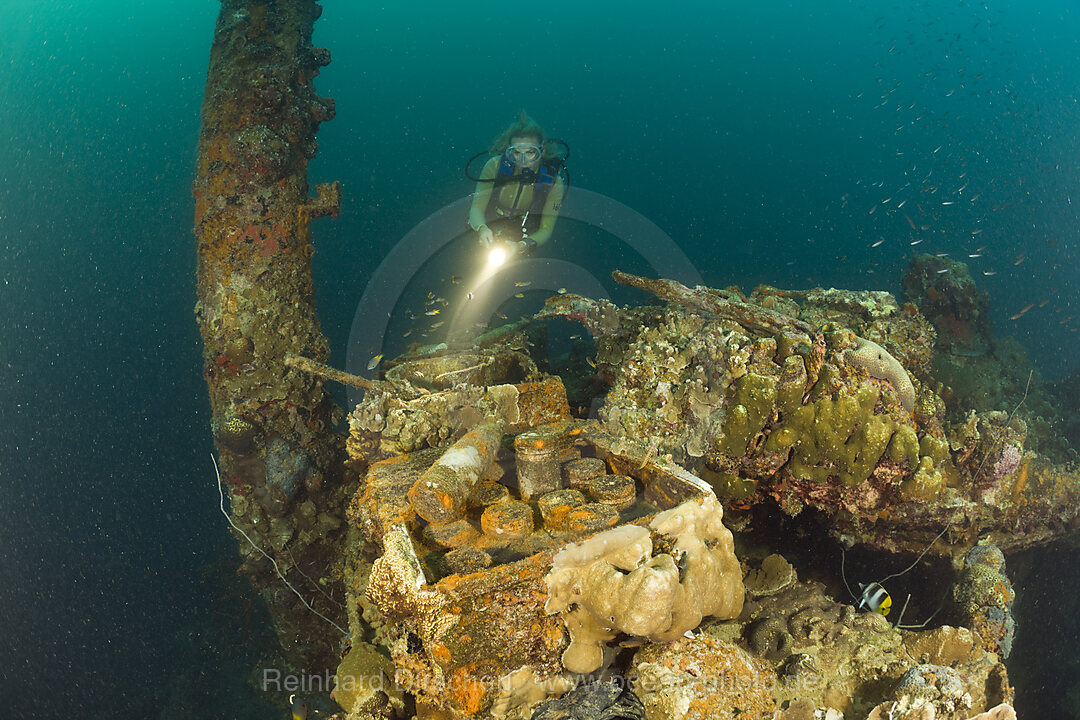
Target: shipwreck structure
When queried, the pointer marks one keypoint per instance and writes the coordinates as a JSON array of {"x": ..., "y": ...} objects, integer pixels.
[
  {"x": 279, "y": 461},
  {"x": 479, "y": 546},
  {"x": 508, "y": 548}
]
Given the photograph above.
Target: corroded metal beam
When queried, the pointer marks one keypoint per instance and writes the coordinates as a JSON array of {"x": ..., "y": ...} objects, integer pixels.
[
  {"x": 718, "y": 302},
  {"x": 256, "y": 307}
]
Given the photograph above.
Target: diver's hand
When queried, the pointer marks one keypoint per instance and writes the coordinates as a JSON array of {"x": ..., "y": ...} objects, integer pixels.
[{"x": 486, "y": 236}]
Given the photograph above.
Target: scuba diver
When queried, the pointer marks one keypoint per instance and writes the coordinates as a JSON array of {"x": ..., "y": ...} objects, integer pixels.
[{"x": 520, "y": 189}]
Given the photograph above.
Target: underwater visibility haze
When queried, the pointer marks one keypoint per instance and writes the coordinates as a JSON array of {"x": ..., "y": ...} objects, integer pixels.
[{"x": 857, "y": 145}]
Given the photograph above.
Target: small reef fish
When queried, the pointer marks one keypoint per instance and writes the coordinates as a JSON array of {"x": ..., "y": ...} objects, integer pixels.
[
  {"x": 875, "y": 598},
  {"x": 435, "y": 326},
  {"x": 436, "y": 311},
  {"x": 916, "y": 242},
  {"x": 523, "y": 283},
  {"x": 910, "y": 222},
  {"x": 974, "y": 255},
  {"x": 878, "y": 242},
  {"x": 519, "y": 295},
  {"x": 1020, "y": 314},
  {"x": 1020, "y": 258},
  {"x": 297, "y": 707},
  {"x": 988, "y": 273},
  {"x": 561, "y": 291},
  {"x": 374, "y": 362},
  {"x": 591, "y": 362},
  {"x": 454, "y": 279}
]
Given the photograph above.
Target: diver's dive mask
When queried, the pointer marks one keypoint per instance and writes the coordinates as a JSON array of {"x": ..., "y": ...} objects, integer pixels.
[{"x": 523, "y": 153}]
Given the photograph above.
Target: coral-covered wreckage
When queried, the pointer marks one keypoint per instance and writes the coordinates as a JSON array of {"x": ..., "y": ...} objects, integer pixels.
[
  {"x": 490, "y": 550},
  {"x": 506, "y": 548}
]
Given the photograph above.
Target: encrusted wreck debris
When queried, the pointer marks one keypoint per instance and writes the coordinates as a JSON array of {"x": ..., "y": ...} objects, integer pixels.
[
  {"x": 507, "y": 547},
  {"x": 805, "y": 400},
  {"x": 496, "y": 584},
  {"x": 497, "y": 549},
  {"x": 279, "y": 462},
  {"x": 503, "y": 557},
  {"x": 500, "y": 549}
]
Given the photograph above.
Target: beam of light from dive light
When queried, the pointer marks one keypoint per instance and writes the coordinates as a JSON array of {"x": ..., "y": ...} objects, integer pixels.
[{"x": 488, "y": 292}]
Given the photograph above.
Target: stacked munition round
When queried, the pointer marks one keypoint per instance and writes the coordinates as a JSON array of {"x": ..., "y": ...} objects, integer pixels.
[
  {"x": 618, "y": 491},
  {"x": 537, "y": 460},
  {"x": 508, "y": 520},
  {"x": 580, "y": 472},
  {"x": 488, "y": 493},
  {"x": 454, "y": 534},
  {"x": 591, "y": 517},
  {"x": 556, "y": 506},
  {"x": 440, "y": 494}
]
